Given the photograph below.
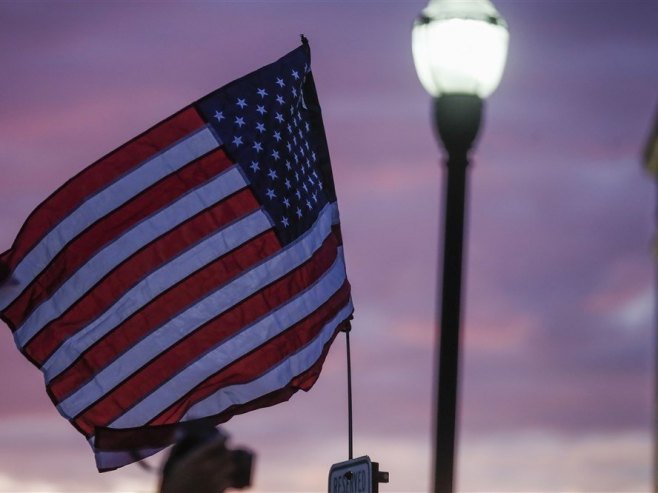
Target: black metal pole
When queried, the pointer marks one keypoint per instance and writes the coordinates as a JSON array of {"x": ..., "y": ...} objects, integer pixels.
[
  {"x": 457, "y": 118},
  {"x": 450, "y": 323}
]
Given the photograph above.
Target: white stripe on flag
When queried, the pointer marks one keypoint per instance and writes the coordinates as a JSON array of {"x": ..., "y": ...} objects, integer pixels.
[
  {"x": 221, "y": 300},
  {"x": 241, "y": 344},
  {"x": 101, "y": 204},
  {"x": 127, "y": 244},
  {"x": 277, "y": 378},
  {"x": 155, "y": 283}
]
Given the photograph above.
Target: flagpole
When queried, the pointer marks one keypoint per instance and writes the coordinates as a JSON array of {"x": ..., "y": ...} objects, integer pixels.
[{"x": 350, "y": 429}]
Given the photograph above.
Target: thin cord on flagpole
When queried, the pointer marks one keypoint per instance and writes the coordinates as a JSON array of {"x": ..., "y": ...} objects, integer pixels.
[{"x": 350, "y": 433}]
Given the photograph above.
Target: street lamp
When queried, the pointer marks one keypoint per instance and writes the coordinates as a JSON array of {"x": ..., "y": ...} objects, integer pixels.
[{"x": 459, "y": 49}]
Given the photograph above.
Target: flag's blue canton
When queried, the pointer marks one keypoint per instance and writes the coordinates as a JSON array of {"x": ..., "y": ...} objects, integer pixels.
[{"x": 270, "y": 131}]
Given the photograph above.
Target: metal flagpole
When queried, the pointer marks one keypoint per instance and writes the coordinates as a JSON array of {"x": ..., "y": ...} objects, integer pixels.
[
  {"x": 359, "y": 474},
  {"x": 350, "y": 432}
]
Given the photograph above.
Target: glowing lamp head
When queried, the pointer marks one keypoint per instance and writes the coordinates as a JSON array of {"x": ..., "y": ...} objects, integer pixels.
[{"x": 460, "y": 47}]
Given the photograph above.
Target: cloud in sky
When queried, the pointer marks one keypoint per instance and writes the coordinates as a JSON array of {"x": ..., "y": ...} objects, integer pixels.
[{"x": 558, "y": 369}]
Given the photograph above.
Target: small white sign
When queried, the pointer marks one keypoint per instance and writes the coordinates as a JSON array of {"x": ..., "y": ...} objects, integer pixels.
[{"x": 352, "y": 476}]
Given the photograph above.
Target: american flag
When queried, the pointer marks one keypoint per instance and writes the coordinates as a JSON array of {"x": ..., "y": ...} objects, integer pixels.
[{"x": 194, "y": 273}]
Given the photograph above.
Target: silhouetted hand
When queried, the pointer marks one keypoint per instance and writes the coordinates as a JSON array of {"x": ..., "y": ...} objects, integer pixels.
[{"x": 206, "y": 469}]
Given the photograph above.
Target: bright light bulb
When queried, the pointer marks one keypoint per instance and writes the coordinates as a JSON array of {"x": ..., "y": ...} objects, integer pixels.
[{"x": 460, "y": 46}]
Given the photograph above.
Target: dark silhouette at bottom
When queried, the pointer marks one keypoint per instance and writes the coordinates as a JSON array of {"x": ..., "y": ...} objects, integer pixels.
[{"x": 201, "y": 462}]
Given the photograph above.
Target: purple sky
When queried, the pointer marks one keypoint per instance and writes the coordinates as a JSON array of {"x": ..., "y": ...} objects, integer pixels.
[{"x": 558, "y": 375}]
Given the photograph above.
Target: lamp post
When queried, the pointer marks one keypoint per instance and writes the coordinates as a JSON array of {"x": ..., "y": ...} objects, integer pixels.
[{"x": 459, "y": 49}]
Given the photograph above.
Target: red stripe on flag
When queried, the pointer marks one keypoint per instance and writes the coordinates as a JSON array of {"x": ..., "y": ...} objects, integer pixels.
[
  {"x": 176, "y": 358},
  {"x": 96, "y": 177},
  {"x": 160, "y": 310},
  {"x": 263, "y": 358},
  {"x": 108, "y": 228},
  {"x": 135, "y": 268},
  {"x": 112, "y": 439}
]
